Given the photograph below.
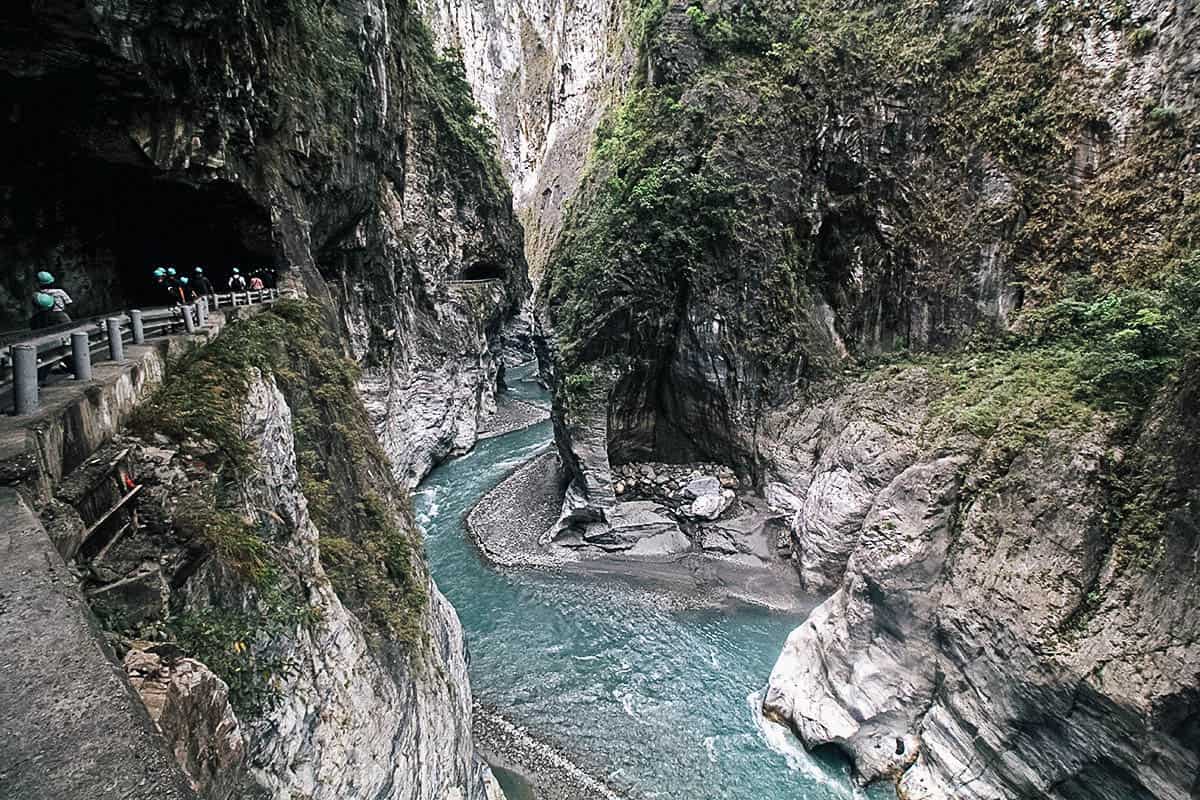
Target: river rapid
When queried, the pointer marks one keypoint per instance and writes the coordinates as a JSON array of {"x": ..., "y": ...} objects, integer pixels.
[{"x": 656, "y": 699}]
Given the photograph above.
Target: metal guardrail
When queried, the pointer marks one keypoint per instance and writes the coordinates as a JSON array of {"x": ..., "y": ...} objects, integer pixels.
[
  {"x": 474, "y": 282},
  {"x": 25, "y": 363}
]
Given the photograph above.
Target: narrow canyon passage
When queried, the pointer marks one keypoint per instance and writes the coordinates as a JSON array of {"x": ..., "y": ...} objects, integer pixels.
[{"x": 655, "y": 699}]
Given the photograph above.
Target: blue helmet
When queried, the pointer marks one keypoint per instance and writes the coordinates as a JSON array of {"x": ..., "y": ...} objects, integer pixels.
[
  {"x": 45, "y": 278},
  {"x": 171, "y": 271},
  {"x": 160, "y": 273},
  {"x": 199, "y": 270}
]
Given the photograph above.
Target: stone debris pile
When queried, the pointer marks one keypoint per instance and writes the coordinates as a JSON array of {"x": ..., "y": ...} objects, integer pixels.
[{"x": 698, "y": 491}]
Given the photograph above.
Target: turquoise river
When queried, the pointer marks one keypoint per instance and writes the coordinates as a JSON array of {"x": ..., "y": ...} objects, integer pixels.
[{"x": 659, "y": 703}]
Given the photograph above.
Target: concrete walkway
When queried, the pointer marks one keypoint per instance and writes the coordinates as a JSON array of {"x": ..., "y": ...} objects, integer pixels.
[{"x": 70, "y": 726}]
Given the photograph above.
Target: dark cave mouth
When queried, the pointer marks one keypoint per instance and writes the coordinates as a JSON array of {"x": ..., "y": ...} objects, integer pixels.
[
  {"x": 484, "y": 271},
  {"x": 81, "y": 199},
  {"x": 103, "y": 229}
]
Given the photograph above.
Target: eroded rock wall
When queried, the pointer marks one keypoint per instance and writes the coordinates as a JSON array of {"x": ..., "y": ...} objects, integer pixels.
[
  {"x": 272, "y": 604},
  {"x": 763, "y": 212},
  {"x": 797, "y": 192},
  {"x": 545, "y": 72},
  {"x": 1000, "y": 626},
  {"x": 326, "y": 141}
]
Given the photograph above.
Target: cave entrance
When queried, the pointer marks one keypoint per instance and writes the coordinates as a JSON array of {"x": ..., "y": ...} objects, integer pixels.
[
  {"x": 483, "y": 271},
  {"x": 78, "y": 199},
  {"x": 101, "y": 230}
]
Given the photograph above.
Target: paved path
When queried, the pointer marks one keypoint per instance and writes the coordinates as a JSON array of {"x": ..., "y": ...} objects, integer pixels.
[{"x": 70, "y": 726}]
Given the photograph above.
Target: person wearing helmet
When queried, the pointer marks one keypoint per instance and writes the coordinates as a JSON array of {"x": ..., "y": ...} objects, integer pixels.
[
  {"x": 187, "y": 294},
  {"x": 167, "y": 285},
  {"x": 42, "y": 304},
  {"x": 47, "y": 286},
  {"x": 237, "y": 283},
  {"x": 200, "y": 283}
]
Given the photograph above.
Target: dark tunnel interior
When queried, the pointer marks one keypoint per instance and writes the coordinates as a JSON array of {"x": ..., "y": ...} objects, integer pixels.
[
  {"x": 483, "y": 271},
  {"x": 89, "y": 208}
]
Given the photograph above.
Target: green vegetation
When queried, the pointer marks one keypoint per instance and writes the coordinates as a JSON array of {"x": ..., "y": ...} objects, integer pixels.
[
  {"x": 1091, "y": 352},
  {"x": 440, "y": 83},
  {"x": 241, "y": 647},
  {"x": 704, "y": 187},
  {"x": 371, "y": 548},
  {"x": 328, "y": 57}
]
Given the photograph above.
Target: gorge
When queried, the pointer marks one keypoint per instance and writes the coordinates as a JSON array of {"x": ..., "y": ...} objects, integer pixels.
[{"x": 793, "y": 398}]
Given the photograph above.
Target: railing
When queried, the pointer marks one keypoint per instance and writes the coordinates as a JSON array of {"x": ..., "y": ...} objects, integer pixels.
[
  {"x": 26, "y": 361},
  {"x": 475, "y": 282}
]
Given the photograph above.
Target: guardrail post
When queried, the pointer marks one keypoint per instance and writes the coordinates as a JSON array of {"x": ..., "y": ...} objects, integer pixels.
[
  {"x": 249, "y": 300},
  {"x": 116, "y": 347},
  {"x": 202, "y": 311},
  {"x": 25, "y": 379},
  {"x": 189, "y": 323},
  {"x": 81, "y": 355},
  {"x": 139, "y": 332}
]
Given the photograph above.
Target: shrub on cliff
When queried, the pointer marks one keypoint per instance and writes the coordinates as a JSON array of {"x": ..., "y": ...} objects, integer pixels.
[{"x": 370, "y": 545}]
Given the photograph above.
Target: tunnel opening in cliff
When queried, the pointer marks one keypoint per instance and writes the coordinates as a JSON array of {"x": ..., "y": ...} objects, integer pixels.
[
  {"x": 82, "y": 198},
  {"x": 483, "y": 271},
  {"x": 101, "y": 228}
]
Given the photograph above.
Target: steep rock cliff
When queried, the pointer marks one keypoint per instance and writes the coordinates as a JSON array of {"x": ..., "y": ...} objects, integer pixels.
[
  {"x": 1013, "y": 617},
  {"x": 329, "y": 142},
  {"x": 275, "y": 549},
  {"x": 545, "y": 72},
  {"x": 998, "y": 201},
  {"x": 952, "y": 166}
]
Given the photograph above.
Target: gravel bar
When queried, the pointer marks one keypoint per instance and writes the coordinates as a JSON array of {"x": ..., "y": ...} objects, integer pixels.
[{"x": 551, "y": 774}]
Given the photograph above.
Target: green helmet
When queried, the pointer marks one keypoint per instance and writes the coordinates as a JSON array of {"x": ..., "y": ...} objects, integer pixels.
[
  {"x": 199, "y": 270},
  {"x": 43, "y": 301},
  {"x": 171, "y": 271},
  {"x": 45, "y": 278},
  {"x": 236, "y": 270},
  {"x": 160, "y": 273},
  {"x": 184, "y": 281}
]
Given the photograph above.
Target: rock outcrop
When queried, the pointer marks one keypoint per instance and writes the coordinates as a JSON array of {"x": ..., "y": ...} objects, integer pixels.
[
  {"x": 269, "y": 594},
  {"x": 995, "y": 608}
]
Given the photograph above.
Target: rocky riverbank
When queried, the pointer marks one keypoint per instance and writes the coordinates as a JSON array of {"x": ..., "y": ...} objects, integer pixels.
[
  {"x": 730, "y": 560},
  {"x": 511, "y": 415}
]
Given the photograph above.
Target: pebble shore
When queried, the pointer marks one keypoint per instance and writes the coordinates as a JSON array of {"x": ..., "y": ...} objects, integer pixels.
[
  {"x": 551, "y": 774},
  {"x": 512, "y": 415}
]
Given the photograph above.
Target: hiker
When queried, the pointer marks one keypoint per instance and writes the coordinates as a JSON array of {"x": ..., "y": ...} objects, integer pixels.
[
  {"x": 61, "y": 299},
  {"x": 160, "y": 280},
  {"x": 237, "y": 283},
  {"x": 42, "y": 303},
  {"x": 200, "y": 283},
  {"x": 256, "y": 283},
  {"x": 167, "y": 285},
  {"x": 187, "y": 295}
]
